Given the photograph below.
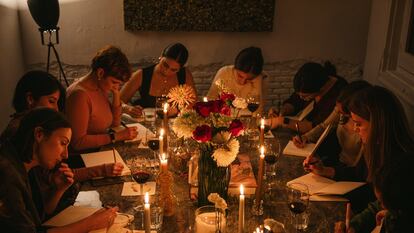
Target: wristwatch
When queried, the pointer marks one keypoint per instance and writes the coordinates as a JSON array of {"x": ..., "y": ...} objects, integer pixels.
[{"x": 111, "y": 133}]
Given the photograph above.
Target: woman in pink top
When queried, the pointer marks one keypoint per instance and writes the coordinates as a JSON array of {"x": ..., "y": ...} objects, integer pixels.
[{"x": 88, "y": 107}]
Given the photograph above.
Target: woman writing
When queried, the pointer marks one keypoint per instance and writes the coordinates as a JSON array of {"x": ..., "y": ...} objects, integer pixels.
[
  {"x": 88, "y": 108},
  {"x": 42, "y": 139},
  {"x": 156, "y": 80}
]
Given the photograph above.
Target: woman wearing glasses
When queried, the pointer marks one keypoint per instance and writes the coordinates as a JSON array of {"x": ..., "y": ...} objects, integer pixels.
[
  {"x": 156, "y": 80},
  {"x": 313, "y": 82},
  {"x": 243, "y": 79}
]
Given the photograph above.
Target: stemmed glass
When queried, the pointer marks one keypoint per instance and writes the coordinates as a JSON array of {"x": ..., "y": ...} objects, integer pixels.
[
  {"x": 159, "y": 106},
  {"x": 253, "y": 102},
  {"x": 298, "y": 200},
  {"x": 140, "y": 173},
  {"x": 272, "y": 154},
  {"x": 154, "y": 145}
]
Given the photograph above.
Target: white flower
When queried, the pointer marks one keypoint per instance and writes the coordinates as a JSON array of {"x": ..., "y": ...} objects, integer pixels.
[
  {"x": 186, "y": 123},
  {"x": 226, "y": 154},
  {"x": 240, "y": 103},
  {"x": 219, "y": 202}
]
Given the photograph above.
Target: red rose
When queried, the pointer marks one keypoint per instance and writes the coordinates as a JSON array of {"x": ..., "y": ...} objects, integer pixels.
[
  {"x": 227, "y": 97},
  {"x": 225, "y": 110},
  {"x": 203, "y": 108},
  {"x": 236, "y": 127},
  {"x": 202, "y": 133},
  {"x": 216, "y": 106}
]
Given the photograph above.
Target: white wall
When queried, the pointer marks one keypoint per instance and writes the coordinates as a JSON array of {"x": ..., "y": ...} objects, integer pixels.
[
  {"x": 302, "y": 29},
  {"x": 11, "y": 59}
]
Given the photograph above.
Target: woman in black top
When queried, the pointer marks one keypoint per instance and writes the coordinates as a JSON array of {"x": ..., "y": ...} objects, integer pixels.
[{"x": 156, "y": 80}]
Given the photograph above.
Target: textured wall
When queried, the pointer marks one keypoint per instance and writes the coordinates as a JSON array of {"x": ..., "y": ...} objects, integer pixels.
[
  {"x": 199, "y": 15},
  {"x": 279, "y": 81}
]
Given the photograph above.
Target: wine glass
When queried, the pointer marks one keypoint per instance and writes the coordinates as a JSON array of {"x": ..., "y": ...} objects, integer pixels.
[
  {"x": 154, "y": 144},
  {"x": 253, "y": 102},
  {"x": 159, "y": 106},
  {"x": 298, "y": 200},
  {"x": 140, "y": 173},
  {"x": 272, "y": 154}
]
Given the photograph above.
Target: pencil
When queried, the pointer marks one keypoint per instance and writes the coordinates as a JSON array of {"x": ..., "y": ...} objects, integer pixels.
[
  {"x": 347, "y": 216},
  {"x": 113, "y": 151}
]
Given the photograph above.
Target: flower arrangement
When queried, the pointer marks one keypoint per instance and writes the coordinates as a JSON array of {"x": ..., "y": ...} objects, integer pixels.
[
  {"x": 212, "y": 124},
  {"x": 181, "y": 96}
]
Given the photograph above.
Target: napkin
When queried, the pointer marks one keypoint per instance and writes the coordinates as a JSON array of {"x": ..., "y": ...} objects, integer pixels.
[
  {"x": 88, "y": 199},
  {"x": 134, "y": 189}
]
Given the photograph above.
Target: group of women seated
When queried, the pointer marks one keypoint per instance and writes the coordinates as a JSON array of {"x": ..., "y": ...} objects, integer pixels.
[{"x": 370, "y": 141}]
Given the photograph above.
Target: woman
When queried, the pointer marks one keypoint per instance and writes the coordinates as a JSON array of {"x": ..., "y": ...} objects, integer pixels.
[
  {"x": 35, "y": 89},
  {"x": 38, "y": 89},
  {"x": 392, "y": 212},
  {"x": 350, "y": 146},
  {"x": 156, "y": 80},
  {"x": 243, "y": 79},
  {"x": 88, "y": 108},
  {"x": 312, "y": 83},
  {"x": 42, "y": 139}
]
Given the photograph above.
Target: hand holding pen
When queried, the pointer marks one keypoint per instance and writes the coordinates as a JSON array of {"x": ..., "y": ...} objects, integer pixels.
[{"x": 299, "y": 140}]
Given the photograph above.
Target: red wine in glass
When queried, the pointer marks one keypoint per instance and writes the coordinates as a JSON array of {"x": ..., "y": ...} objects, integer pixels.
[
  {"x": 141, "y": 177},
  {"x": 154, "y": 144},
  {"x": 270, "y": 159},
  {"x": 252, "y": 107},
  {"x": 297, "y": 207}
]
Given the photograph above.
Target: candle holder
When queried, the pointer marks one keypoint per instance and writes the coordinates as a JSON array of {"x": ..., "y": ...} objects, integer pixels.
[
  {"x": 257, "y": 209},
  {"x": 165, "y": 181}
]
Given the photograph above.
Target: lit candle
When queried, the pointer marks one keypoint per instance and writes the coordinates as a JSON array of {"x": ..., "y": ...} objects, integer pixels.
[
  {"x": 205, "y": 99},
  {"x": 241, "y": 210},
  {"x": 262, "y": 126},
  {"x": 164, "y": 162},
  {"x": 260, "y": 177},
  {"x": 147, "y": 214},
  {"x": 165, "y": 126}
]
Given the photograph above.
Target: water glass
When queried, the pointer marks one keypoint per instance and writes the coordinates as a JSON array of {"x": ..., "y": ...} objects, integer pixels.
[{"x": 156, "y": 213}]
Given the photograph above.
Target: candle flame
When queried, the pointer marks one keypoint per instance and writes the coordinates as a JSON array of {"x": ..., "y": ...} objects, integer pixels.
[
  {"x": 163, "y": 157},
  {"x": 262, "y": 150},
  {"x": 165, "y": 107},
  {"x": 146, "y": 198},
  {"x": 241, "y": 189},
  {"x": 205, "y": 99},
  {"x": 161, "y": 132},
  {"x": 262, "y": 122}
]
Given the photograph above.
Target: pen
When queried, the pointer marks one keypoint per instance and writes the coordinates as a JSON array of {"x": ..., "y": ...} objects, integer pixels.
[
  {"x": 298, "y": 132},
  {"x": 113, "y": 151},
  {"x": 347, "y": 215},
  {"x": 123, "y": 124}
]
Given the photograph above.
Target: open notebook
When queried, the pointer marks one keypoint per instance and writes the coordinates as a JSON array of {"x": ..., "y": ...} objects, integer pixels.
[
  {"x": 143, "y": 132},
  {"x": 324, "y": 189},
  {"x": 309, "y": 148},
  {"x": 102, "y": 157},
  {"x": 302, "y": 114}
]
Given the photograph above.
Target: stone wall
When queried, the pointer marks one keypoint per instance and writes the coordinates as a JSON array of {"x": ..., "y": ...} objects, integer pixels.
[{"x": 279, "y": 80}]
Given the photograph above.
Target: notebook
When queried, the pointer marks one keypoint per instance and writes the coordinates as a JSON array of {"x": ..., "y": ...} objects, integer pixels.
[
  {"x": 324, "y": 189},
  {"x": 102, "y": 157},
  {"x": 302, "y": 114},
  {"x": 309, "y": 148}
]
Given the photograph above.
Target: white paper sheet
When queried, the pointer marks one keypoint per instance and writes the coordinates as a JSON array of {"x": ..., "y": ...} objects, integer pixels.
[{"x": 102, "y": 157}]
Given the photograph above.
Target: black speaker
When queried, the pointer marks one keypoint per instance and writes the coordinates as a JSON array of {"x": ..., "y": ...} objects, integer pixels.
[{"x": 45, "y": 13}]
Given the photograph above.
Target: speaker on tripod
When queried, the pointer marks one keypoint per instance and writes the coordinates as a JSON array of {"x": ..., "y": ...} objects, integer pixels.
[{"x": 46, "y": 15}]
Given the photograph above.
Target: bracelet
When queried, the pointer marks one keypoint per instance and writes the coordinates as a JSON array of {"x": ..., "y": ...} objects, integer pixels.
[{"x": 286, "y": 120}]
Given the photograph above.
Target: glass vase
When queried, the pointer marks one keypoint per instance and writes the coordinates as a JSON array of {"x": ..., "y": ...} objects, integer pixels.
[{"x": 211, "y": 178}]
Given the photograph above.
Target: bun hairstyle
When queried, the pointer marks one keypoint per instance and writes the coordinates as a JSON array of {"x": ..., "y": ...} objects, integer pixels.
[
  {"x": 250, "y": 60},
  {"x": 177, "y": 52},
  {"x": 113, "y": 61},
  {"x": 311, "y": 77}
]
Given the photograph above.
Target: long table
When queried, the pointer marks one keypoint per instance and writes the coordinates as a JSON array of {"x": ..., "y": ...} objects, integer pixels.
[{"x": 323, "y": 215}]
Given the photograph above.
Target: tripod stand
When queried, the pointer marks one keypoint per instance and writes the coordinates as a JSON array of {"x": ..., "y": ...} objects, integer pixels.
[{"x": 51, "y": 45}]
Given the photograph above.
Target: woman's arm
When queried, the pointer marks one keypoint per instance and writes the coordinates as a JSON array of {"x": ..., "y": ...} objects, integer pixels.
[{"x": 131, "y": 87}]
